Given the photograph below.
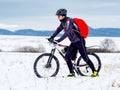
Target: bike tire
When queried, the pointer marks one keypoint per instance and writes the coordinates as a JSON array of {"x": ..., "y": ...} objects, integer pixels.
[
  {"x": 42, "y": 71},
  {"x": 83, "y": 67}
]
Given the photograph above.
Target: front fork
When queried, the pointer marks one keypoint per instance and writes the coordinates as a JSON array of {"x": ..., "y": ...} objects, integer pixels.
[{"x": 48, "y": 65}]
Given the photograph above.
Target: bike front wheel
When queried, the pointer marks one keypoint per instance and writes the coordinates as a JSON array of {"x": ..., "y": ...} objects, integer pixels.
[
  {"x": 46, "y": 65},
  {"x": 83, "y": 67}
]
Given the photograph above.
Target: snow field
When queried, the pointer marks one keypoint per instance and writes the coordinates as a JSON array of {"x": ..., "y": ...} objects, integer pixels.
[{"x": 16, "y": 69}]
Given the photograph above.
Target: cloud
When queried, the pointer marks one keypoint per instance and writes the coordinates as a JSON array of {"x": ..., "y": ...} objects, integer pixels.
[
  {"x": 36, "y": 23},
  {"x": 103, "y": 21},
  {"x": 7, "y": 26},
  {"x": 51, "y": 22}
]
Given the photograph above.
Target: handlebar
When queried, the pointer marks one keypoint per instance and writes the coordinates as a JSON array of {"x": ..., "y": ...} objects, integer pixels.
[
  {"x": 56, "y": 43},
  {"x": 52, "y": 41}
]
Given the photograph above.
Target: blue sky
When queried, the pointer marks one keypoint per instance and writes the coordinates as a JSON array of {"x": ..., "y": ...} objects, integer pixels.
[{"x": 40, "y": 14}]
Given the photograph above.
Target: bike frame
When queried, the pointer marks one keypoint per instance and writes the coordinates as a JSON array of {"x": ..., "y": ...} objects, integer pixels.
[
  {"x": 60, "y": 52},
  {"x": 56, "y": 48}
]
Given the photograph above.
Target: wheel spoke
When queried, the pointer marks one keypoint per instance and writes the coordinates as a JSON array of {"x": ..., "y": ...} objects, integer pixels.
[
  {"x": 84, "y": 69},
  {"x": 42, "y": 69}
]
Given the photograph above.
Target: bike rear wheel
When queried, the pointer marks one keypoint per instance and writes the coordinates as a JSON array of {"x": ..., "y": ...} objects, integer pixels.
[
  {"x": 84, "y": 68},
  {"x": 44, "y": 69}
]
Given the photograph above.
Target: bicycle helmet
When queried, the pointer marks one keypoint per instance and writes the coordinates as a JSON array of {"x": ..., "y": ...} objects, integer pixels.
[{"x": 62, "y": 12}]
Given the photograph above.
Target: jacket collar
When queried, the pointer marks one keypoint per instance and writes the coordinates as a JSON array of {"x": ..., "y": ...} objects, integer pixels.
[{"x": 64, "y": 20}]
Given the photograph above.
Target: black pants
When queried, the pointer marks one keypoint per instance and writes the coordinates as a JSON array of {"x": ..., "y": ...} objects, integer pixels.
[{"x": 72, "y": 51}]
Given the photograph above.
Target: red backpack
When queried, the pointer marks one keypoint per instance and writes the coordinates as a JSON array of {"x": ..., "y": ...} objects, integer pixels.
[{"x": 82, "y": 26}]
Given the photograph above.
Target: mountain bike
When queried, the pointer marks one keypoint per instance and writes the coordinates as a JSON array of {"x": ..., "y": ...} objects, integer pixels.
[{"x": 47, "y": 64}]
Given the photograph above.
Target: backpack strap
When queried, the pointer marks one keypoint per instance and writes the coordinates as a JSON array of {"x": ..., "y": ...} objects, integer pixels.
[{"x": 76, "y": 27}]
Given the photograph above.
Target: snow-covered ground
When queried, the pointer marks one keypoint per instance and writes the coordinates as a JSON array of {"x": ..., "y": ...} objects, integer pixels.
[{"x": 16, "y": 69}]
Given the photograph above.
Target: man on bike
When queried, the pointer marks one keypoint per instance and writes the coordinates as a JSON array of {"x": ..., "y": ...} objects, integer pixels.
[{"x": 77, "y": 41}]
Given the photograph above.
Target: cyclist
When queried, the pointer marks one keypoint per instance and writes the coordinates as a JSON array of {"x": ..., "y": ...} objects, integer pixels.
[{"x": 77, "y": 41}]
